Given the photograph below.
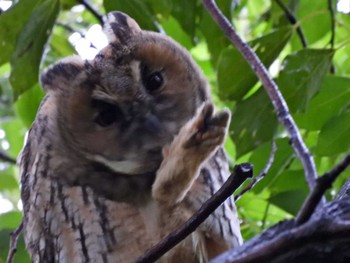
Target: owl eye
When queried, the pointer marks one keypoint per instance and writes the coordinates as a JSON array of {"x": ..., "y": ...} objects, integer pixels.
[
  {"x": 153, "y": 82},
  {"x": 107, "y": 113}
]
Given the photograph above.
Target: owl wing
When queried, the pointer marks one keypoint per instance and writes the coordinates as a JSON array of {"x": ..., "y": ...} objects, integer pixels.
[{"x": 221, "y": 228}]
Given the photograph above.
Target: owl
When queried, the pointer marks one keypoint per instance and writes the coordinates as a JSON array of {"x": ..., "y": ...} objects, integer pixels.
[{"x": 123, "y": 150}]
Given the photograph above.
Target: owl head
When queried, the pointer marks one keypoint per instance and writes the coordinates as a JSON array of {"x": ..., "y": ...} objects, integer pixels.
[{"x": 119, "y": 109}]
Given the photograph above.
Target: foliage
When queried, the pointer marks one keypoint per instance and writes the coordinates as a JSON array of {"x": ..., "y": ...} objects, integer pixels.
[{"x": 314, "y": 81}]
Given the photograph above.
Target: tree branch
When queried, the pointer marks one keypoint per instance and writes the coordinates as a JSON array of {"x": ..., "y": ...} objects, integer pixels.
[
  {"x": 261, "y": 175},
  {"x": 13, "y": 242},
  {"x": 240, "y": 174},
  {"x": 293, "y": 20},
  {"x": 92, "y": 10},
  {"x": 4, "y": 157},
  {"x": 271, "y": 88},
  {"x": 324, "y": 238},
  {"x": 332, "y": 14},
  {"x": 322, "y": 184}
]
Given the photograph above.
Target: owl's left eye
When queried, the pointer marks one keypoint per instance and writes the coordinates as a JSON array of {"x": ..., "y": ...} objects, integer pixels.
[
  {"x": 153, "y": 82},
  {"x": 107, "y": 113}
]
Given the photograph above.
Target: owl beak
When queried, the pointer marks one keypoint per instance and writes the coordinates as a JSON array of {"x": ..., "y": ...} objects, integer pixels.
[{"x": 152, "y": 124}]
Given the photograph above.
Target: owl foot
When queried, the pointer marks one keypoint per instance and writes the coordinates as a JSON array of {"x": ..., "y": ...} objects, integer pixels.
[{"x": 208, "y": 128}]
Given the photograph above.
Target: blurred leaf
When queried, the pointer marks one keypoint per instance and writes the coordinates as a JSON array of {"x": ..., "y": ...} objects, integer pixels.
[
  {"x": 174, "y": 30},
  {"x": 315, "y": 19},
  {"x": 68, "y": 4},
  {"x": 61, "y": 45},
  {"x": 283, "y": 181},
  {"x": 289, "y": 201},
  {"x": 334, "y": 95},
  {"x": 260, "y": 156},
  {"x": 334, "y": 136},
  {"x": 235, "y": 76},
  {"x": 7, "y": 180},
  {"x": 11, "y": 24},
  {"x": 30, "y": 46},
  {"x": 10, "y": 220},
  {"x": 253, "y": 122},
  {"x": 15, "y": 131},
  {"x": 28, "y": 104},
  {"x": 302, "y": 75},
  {"x": 215, "y": 38},
  {"x": 185, "y": 11},
  {"x": 137, "y": 9},
  {"x": 163, "y": 7}
]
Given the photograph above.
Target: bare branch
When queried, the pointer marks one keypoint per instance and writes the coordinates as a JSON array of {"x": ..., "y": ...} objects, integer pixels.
[
  {"x": 92, "y": 10},
  {"x": 13, "y": 242},
  {"x": 261, "y": 175},
  {"x": 293, "y": 20},
  {"x": 240, "y": 174},
  {"x": 4, "y": 157},
  {"x": 322, "y": 184},
  {"x": 272, "y": 90}
]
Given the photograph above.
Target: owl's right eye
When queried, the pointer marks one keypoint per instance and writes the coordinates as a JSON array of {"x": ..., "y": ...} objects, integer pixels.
[{"x": 107, "y": 113}]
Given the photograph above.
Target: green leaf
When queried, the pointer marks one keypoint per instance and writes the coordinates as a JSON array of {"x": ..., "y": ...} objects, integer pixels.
[
  {"x": 162, "y": 8},
  {"x": 333, "y": 96},
  {"x": 68, "y": 4},
  {"x": 61, "y": 45},
  {"x": 15, "y": 132},
  {"x": 334, "y": 136},
  {"x": 174, "y": 30},
  {"x": 28, "y": 104},
  {"x": 283, "y": 181},
  {"x": 302, "y": 75},
  {"x": 185, "y": 11},
  {"x": 137, "y": 9},
  {"x": 8, "y": 180},
  {"x": 235, "y": 76},
  {"x": 289, "y": 201},
  {"x": 26, "y": 59},
  {"x": 215, "y": 38},
  {"x": 315, "y": 19},
  {"x": 10, "y": 220},
  {"x": 253, "y": 122},
  {"x": 11, "y": 24}
]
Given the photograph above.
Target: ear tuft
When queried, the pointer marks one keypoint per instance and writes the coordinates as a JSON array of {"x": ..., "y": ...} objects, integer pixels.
[
  {"x": 61, "y": 74},
  {"x": 120, "y": 28}
]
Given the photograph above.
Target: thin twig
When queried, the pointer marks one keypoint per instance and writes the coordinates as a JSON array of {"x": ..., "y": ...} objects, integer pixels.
[
  {"x": 332, "y": 40},
  {"x": 293, "y": 20},
  {"x": 89, "y": 7},
  {"x": 13, "y": 242},
  {"x": 240, "y": 174},
  {"x": 261, "y": 175},
  {"x": 4, "y": 157},
  {"x": 322, "y": 184},
  {"x": 272, "y": 90},
  {"x": 331, "y": 11}
]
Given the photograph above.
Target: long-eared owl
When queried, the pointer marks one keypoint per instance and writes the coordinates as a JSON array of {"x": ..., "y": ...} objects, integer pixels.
[{"x": 124, "y": 149}]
